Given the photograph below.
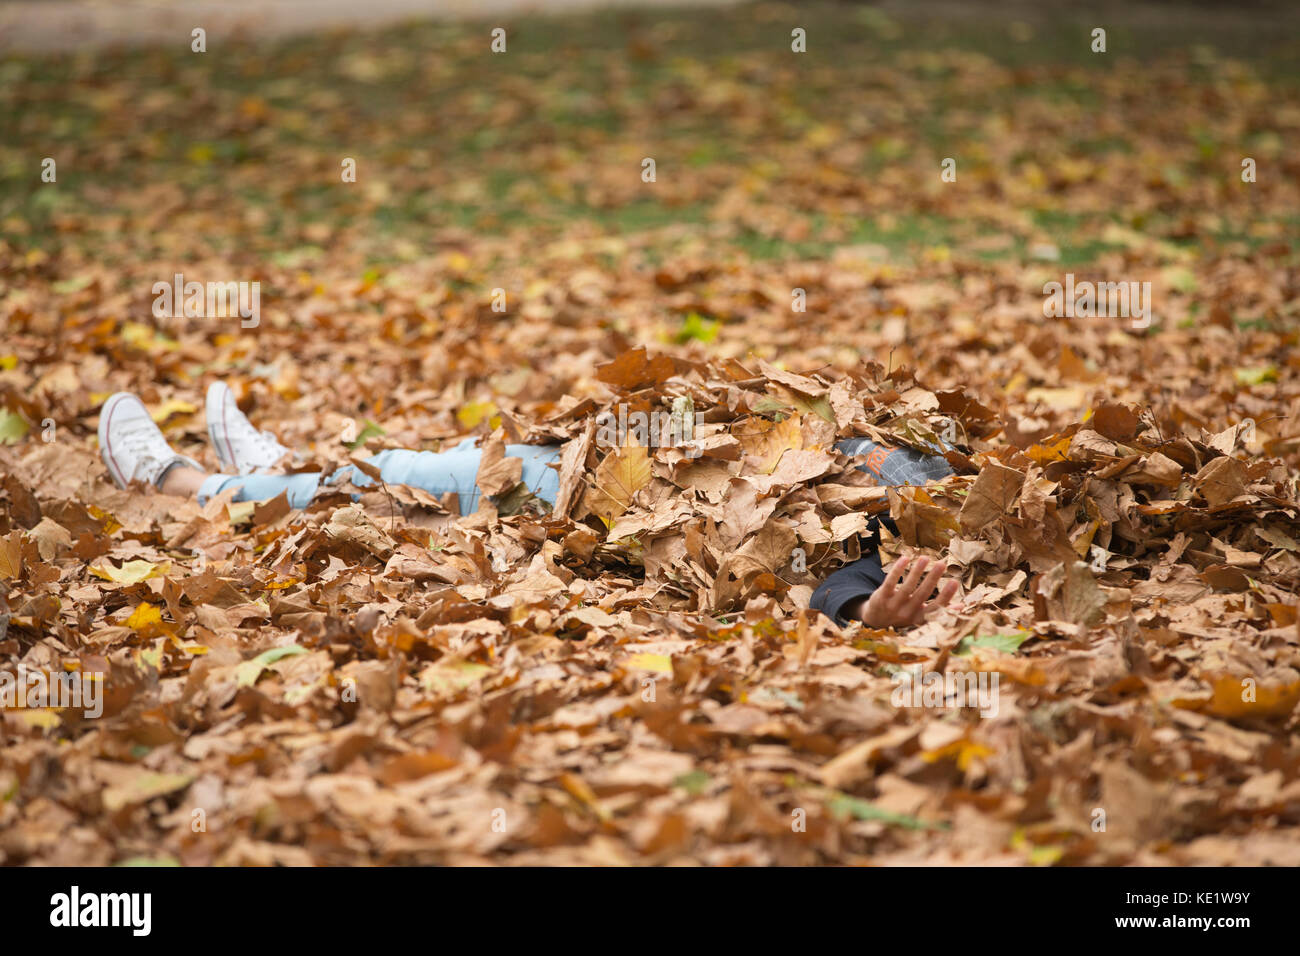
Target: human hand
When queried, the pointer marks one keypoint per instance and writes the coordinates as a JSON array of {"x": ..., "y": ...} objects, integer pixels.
[{"x": 901, "y": 602}]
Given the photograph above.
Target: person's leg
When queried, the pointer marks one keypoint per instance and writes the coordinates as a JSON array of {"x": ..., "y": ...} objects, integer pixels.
[
  {"x": 438, "y": 473},
  {"x": 301, "y": 487},
  {"x": 441, "y": 473},
  {"x": 896, "y": 466},
  {"x": 538, "y": 475},
  {"x": 134, "y": 449},
  {"x": 241, "y": 448},
  {"x": 182, "y": 481},
  {"x": 247, "y": 453}
]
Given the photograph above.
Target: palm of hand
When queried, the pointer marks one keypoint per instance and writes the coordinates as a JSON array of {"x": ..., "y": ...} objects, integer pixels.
[{"x": 902, "y": 602}]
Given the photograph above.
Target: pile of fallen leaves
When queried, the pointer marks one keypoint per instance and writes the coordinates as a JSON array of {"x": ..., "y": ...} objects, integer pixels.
[{"x": 635, "y": 676}]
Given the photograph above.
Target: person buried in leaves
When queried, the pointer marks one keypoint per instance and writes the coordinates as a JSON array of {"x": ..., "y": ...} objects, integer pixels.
[{"x": 134, "y": 449}]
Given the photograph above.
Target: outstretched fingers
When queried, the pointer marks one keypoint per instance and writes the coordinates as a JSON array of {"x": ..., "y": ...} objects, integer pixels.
[
  {"x": 901, "y": 598},
  {"x": 946, "y": 595},
  {"x": 924, "y": 588},
  {"x": 895, "y": 575},
  {"x": 914, "y": 575}
]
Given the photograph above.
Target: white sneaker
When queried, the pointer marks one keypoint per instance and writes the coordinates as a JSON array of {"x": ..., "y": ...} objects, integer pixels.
[
  {"x": 132, "y": 446},
  {"x": 240, "y": 447}
]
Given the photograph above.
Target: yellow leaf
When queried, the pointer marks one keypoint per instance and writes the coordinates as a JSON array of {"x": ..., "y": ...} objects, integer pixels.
[
  {"x": 144, "y": 617},
  {"x": 447, "y": 678},
  {"x": 965, "y": 751},
  {"x": 131, "y": 572},
  {"x": 1235, "y": 695},
  {"x": 171, "y": 407},
  {"x": 150, "y": 656},
  {"x": 1059, "y": 398},
  {"x": 12, "y": 427},
  {"x": 1045, "y": 855},
  {"x": 472, "y": 413},
  {"x": 280, "y": 585},
  {"x": 146, "y": 337},
  {"x": 657, "y": 663},
  {"x": 134, "y": 333},
  {"x": 1046, "y": 454},
  {"x": 144, "y": 787},
  {"x": 44, "y": 718},
  {"x": 189, "y": 647},
  {"x": 111, "y": 523},
  {"x": 241, "y": 512}
]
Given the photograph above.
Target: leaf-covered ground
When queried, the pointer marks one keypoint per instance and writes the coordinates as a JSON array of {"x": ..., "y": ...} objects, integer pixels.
[{"x": 638, "y": 680}]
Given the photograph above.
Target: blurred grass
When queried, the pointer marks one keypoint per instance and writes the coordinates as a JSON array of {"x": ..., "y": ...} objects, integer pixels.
[{"x": 490, "y": 144}]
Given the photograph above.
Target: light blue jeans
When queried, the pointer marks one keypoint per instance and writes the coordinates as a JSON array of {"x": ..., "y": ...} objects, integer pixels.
[
  {"x": 441, "y": 472},
  {"x": 438, "y": 473}
]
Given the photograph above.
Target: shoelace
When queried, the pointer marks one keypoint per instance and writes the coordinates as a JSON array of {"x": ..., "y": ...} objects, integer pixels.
[
  {"x": 140, "y": 442},
  {"x": 265, "y": 447},
  {"x": 266, "y": 441}
]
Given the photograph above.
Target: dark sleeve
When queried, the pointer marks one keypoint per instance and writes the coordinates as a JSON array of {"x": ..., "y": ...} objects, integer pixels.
[
  {"x": 856, "y": 580},
  {"x": 850, "y": 583}
]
